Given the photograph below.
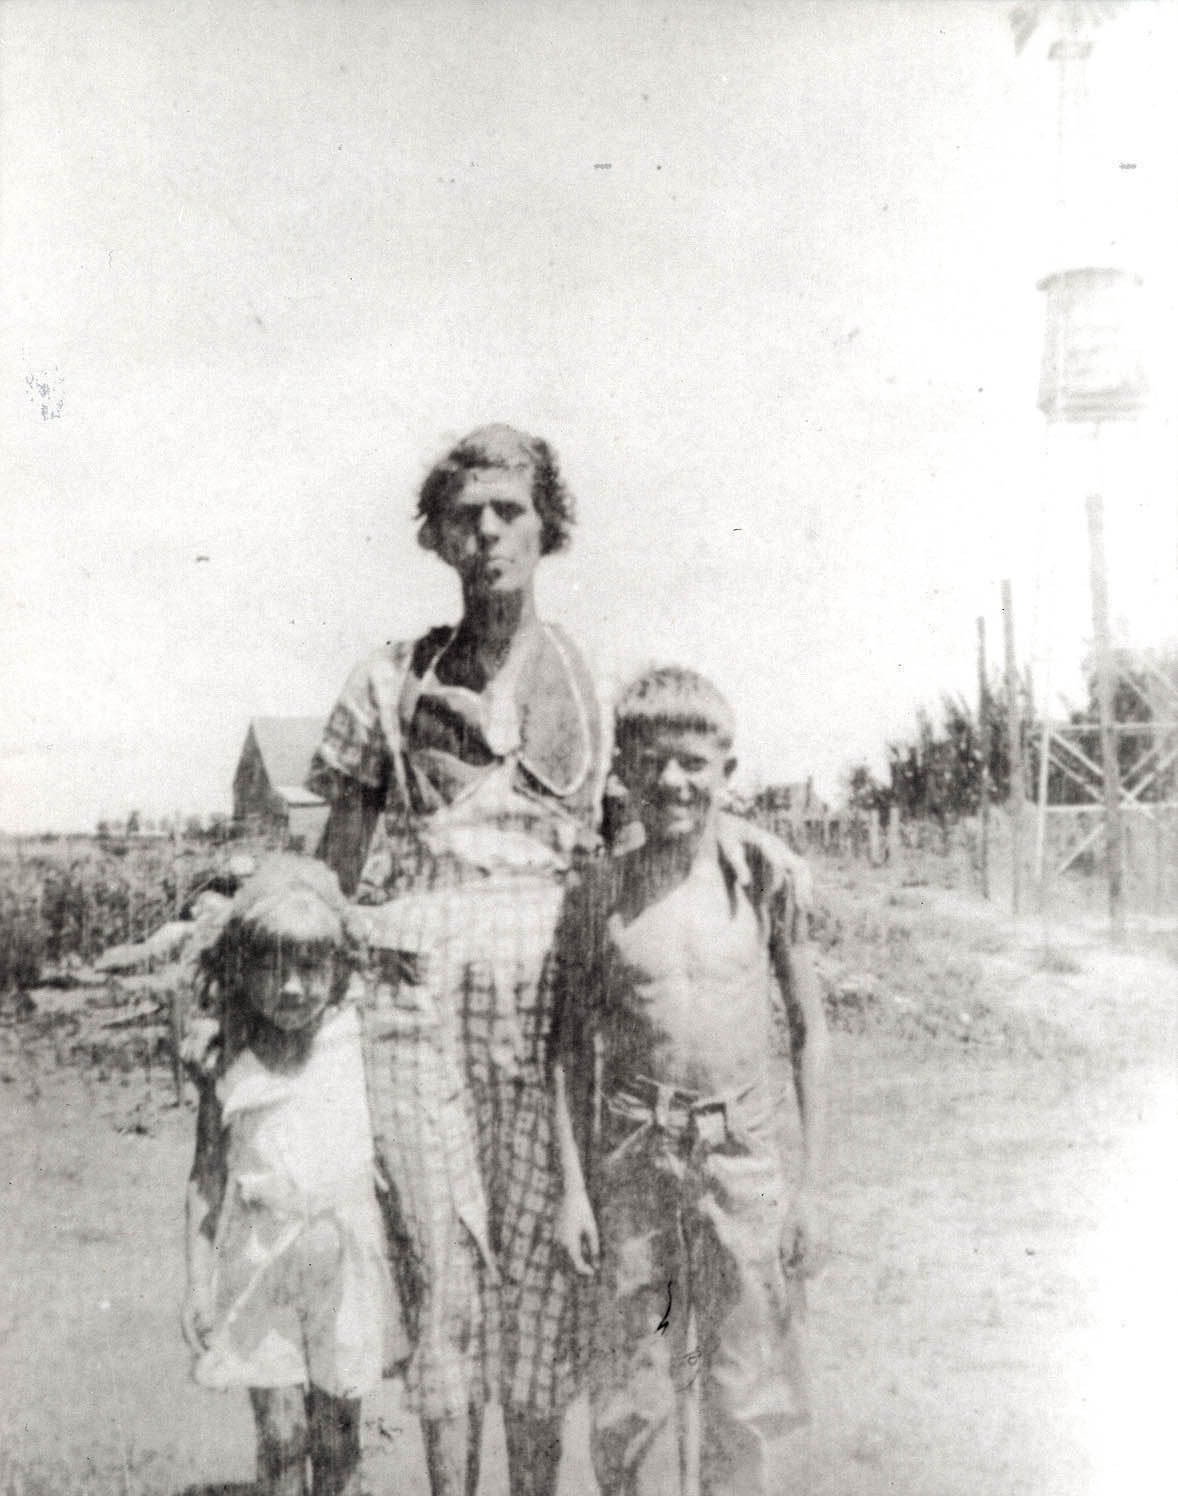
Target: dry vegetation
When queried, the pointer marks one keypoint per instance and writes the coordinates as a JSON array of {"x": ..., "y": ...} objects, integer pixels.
[{"x": 65, "y": 900}]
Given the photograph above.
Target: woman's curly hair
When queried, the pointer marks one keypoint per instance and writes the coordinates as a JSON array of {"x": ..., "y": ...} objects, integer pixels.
[{"x": 499, "y": 447}]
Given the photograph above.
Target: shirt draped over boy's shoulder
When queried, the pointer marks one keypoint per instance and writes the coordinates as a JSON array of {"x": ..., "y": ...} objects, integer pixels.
[{"x": 774, "y": 877}]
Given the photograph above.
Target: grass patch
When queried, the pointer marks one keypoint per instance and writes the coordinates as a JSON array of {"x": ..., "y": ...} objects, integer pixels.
[
  {"x": 130, "y": 1474},
  {"x": 1059, "y": 963},
  {"x": 894, "y": 964}
]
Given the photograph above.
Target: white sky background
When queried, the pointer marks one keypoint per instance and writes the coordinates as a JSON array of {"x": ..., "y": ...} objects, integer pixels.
[{"x": 763, "y": 273}]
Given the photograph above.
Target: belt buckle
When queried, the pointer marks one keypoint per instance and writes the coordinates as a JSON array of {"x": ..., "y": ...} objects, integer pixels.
[{"x": 710, "y": 1123}]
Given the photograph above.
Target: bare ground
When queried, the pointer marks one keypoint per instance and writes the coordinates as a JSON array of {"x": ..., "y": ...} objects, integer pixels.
[{"x": 997, "y": 1316}]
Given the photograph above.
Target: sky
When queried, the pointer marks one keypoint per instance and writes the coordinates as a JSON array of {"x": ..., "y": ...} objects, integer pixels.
[{"x": 763, "y": 273}]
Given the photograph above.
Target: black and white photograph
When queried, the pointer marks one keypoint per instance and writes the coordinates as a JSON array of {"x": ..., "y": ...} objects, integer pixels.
[{"x": 588, "y": 747}]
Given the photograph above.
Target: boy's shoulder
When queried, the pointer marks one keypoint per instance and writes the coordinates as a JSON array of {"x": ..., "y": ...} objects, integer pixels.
[
  {"x": 760, "y": 862},
  {"x": 764, "y": 864}
]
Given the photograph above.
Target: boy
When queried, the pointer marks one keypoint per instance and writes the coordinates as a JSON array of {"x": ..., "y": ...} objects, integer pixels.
[{"x": 672, "y": 963}]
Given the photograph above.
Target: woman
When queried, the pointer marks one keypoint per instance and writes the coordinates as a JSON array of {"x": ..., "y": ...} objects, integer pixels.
[{"x": 464, "y": 772}]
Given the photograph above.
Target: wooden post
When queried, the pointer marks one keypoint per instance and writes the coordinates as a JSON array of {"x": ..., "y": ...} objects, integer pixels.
[
  {"x": 1163, "y": 710},
  {"x": 873, "y": 853},
  {"x": 1159, "y": 864},
  {"x": 1110, "y": 766},
  {"x": 1014, "y": 720},
  {"x": 84, "y": 919},
  {"x": 1041, "y": 810},
  {"x": 984, "y": 756}
]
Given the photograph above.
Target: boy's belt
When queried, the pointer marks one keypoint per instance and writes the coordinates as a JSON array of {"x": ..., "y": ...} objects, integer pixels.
[{"x": 674, "y": 1109}]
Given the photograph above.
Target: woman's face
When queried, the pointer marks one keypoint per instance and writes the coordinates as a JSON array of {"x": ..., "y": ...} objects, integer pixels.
[{"x": 491, "y": 533}]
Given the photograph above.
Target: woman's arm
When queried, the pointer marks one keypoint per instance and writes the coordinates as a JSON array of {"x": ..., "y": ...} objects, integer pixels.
[
  {"x": 351, "y": 821},
  {"x": 573, "y": 1065},
  {"x": 356, "y": 760},
  {"x": 576, "y": 1229}
]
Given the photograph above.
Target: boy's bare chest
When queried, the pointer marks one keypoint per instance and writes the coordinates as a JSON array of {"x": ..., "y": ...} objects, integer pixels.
[{"x": 701, "y": 937}]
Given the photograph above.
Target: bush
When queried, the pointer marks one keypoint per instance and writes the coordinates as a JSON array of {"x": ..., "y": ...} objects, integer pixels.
[{"x": 22, "y": 947}]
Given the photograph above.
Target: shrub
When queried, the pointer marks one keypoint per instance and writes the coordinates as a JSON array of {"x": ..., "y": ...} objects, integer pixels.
[{"x": 22, "y": 947}]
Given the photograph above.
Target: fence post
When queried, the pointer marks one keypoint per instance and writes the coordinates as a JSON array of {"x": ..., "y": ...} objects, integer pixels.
[
  {"x": 984, "y": 755},
  {"x": 1110, "y": 766},
  {"x": 1014, "y": 719}
]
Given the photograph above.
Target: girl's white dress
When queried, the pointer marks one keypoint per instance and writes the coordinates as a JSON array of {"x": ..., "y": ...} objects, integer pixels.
[{"x": 301, "y": 1286}]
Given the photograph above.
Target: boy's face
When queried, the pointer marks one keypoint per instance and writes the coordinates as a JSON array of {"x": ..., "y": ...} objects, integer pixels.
[
  {"x": 674, "y": 777},
  {"x": 290, "y": 989}
]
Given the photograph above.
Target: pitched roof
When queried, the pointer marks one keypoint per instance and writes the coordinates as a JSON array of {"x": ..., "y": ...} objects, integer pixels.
[
  {"x": 802, "y": 796},
  {"x": 796, "y": 799},
  {"x": 286, "y": 745}
]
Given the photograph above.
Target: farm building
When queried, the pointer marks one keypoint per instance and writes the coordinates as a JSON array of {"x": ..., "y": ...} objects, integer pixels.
[
  {"x": 268, "y": 795},
  {"x": 796, "y": 813}
]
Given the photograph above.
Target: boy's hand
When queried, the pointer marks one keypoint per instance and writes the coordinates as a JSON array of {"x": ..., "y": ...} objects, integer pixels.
[
  {"x": 196, "y": 1318},
  {"x": 804, "y": 1247},
  {"x": 576, "y": 1231}
]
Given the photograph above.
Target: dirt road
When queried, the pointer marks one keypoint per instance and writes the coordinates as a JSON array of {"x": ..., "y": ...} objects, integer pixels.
[{"x": 996, "y": 1317}]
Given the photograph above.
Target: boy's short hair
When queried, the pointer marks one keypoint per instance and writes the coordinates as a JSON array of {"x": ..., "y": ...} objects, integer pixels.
[
  {"x": 672, "y": 696},
  {"x": 499, "y": 446},
  {"x": 291, "y": 904}
]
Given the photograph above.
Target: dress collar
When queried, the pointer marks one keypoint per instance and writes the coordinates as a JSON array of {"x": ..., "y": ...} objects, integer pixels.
[
  {"x": 554, "y": 718},
  {"x": 550, "y": 693}
]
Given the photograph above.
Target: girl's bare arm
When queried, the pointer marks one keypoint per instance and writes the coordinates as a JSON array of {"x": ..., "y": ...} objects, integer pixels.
[{"x": 204, "y": 1197}]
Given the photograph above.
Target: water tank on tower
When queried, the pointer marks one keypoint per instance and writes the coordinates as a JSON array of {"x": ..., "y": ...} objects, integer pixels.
[{"x": 1092, "y": 347}]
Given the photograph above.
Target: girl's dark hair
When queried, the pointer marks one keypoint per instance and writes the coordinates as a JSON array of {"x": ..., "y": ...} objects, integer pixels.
[{"x": 499, "y": 447}]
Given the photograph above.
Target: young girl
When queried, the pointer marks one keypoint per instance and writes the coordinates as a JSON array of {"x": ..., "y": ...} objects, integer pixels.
[{"x": 289, "y": 1292}]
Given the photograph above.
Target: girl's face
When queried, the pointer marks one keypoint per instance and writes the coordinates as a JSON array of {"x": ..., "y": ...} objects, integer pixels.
[{"x": 290, "y": 989}]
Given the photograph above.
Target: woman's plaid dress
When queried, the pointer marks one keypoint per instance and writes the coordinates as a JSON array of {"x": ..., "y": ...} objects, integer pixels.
[{"x": 485, "y": 800}]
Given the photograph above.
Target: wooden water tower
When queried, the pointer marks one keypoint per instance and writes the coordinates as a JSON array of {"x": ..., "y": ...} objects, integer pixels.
[
  {"x": 1092, "y": 368},
  {"x": 1092, "y": 372}
]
